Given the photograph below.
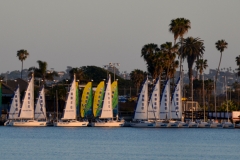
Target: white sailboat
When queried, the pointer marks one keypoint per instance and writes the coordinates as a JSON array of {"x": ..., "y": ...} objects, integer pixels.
[
  {"x": 69, "y": 118},
  {"x": 106, "y": 117},
  {"x": 141, "y": 113},
  {"x": 176, "y": 107},
  {"x": 164, "y": 106},
  {"x": 154, "y": 103},
  {"x": 14, "y": 108},
  {"x": 26, "y": 114}
]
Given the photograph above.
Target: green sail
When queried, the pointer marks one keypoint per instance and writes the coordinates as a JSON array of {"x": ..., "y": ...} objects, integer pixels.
[
  {"x": 115, "y": 98},
  {"x": 77, "y": 99},
  {"x": 86, "y": 101}
]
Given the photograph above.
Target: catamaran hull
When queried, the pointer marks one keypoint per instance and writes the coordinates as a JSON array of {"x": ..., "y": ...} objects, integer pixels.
[
  {"x": 71, "y": 124},
  {"x": 143, "y": 125},
  {"x": 173, "y": 125},
  {"x": 204, "y": 125},
  {"x": 30, "y": 124},
  {"x": 161, "y": 125},
  {"x": 216, "y": 125},
  {"x": 183, "y": 125},
  {"x": 193, "y": 125},
  {"x": 228, "y": 125},
  {"x": 107, "y": 124}
]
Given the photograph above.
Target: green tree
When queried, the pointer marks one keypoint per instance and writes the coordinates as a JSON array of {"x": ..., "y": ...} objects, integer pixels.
[
  {"x": 220, "y": 45},
  {"x": 137, "y": 76},
  {"x": 22, "y": 56},
  {"x": 150, "y": 53},
  {"x": 79, "y": 73},
  {"x": 41, "y": 72},
  {"x": 191, "y": 49},
  {"x": 170, "y": 52}
]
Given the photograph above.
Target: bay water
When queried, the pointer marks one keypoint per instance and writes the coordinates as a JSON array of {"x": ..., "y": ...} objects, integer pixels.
[{"x": 119, "y": 143}]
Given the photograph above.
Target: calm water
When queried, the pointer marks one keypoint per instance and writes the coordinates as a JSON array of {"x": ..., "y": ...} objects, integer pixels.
[{"x": 119, "y": 143}]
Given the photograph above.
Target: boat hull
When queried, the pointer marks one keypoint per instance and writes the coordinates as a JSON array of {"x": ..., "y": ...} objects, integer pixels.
[
  {"x": 193, "y": 125},
  {"x": 30, "y": 123},
  {"x": 161, "y": 125},
  {"x": 173, "y": 125},
  {"x": 143, "y": 124},
  {"x": 183, "y": 125},
  {"x": 70, "y": 124},
  {"x": 108, "y": 124},
  {"x": 216, "y": 125},
  {"x": 204, "y": 125},
  {"x": 228, "y": 125}
]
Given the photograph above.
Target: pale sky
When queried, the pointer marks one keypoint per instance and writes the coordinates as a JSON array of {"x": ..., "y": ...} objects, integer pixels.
[{"x": 95, "y": 32}]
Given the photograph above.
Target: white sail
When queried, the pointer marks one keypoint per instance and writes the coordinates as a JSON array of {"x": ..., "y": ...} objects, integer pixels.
[
  {"x": 176, "y": 106},
  {"x": 40, "y": 109},
  {"x": 27, "y": 109},
  {"x": 70, "y": 106},
  {"x": 107, "y": 111},
  {"x": 15, "y": 105},
  {"x": 142, "y": 103},
  {"x": 154, "y": 103},
  {"x": 165, "y": 101}
]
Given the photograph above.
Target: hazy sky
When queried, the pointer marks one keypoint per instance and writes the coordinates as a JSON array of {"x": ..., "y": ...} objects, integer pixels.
[{"x": 95, "y": 32}]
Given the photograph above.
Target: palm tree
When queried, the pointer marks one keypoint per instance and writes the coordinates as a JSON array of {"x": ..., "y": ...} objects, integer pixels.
[
  {"x": 150, "y": 53},
  {"x": 42, "y": 72},
  {"x": 22, "y": 55},
  {"x": 170, "y": 53},
  {"x": 191, "y": 49},
  {"x": 79, "y": 73},
  {"x": 220, "y": 45},
  {"x": 179, "y": 27},
  {"x": 238, "y": 60},
  {"x": 201, "y": 65},
  {"x": 137, "y": 77}
]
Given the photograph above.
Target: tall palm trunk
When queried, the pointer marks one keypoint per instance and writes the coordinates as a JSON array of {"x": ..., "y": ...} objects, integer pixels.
[
  {"x": 22, "y": 70},
  {"x": 218, "y": 68}
]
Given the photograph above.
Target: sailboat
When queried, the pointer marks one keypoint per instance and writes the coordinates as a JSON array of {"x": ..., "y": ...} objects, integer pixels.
[
  {"x": 26, "y": 114},
  {"x": 87, "y": 101},
  {"x": 164, "y": 106},
  {"x": 40, "y": 113},
  {"x": 14, "y": 108},
  {"x": 176, "y": 107},
  {"x": 140, "y": 118},
  {"x": 69, "y": 118},
  {"x": 106, "y": 116}
]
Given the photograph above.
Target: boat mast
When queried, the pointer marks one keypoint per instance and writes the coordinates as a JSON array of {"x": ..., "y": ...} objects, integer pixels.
[{"x": 57, "y": 103}]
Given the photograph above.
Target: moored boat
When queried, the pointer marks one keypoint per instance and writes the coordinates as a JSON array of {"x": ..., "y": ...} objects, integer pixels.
[{"x": 106, "y": 118}]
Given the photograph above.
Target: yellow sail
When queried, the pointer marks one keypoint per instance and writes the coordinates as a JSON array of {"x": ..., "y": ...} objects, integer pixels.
[
  {"x": 98, "y": 98},
  {"x": 86, "y": 101}
]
